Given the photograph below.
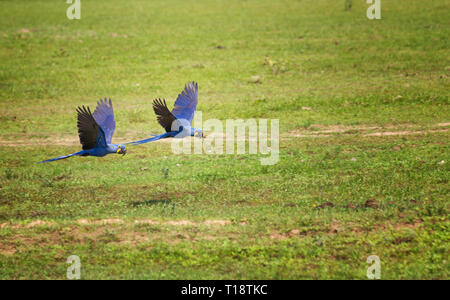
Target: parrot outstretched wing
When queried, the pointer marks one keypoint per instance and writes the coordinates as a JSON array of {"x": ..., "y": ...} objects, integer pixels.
[
  {"x": 90, "y": 133},
  {"x": 163, "y": 114},
  {"x": 184, "y": 107},
  {"x": 104, "y": 116},
  {"x": 186, "y": 103}
]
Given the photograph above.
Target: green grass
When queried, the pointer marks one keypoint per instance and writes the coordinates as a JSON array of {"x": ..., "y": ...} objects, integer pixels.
[{"x": 356, "y": 75}]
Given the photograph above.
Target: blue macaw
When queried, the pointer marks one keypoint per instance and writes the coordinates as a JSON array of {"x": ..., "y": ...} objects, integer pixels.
[
  {"x": 96, "y": 131},
  {"x": 177, "y": 123}
]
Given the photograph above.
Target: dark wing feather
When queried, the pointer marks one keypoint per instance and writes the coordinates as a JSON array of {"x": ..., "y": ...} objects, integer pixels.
[
  {"x": 163, "y": 114},
  {"x": 89, "y": 132},
  {"x": 104, "y": 116},
  {"x": 186, "y": 103}
]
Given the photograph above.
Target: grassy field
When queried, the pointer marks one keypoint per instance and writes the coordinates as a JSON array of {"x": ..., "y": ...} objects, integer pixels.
[{"x": 364, "y": 115}]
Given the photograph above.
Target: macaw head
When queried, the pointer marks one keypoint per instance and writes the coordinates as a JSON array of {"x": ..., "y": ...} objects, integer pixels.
[
  {"x": 198, "y": 132},
  {"x": 121, "y": 149}
]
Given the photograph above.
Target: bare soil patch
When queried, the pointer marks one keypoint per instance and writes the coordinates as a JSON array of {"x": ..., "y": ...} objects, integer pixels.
[
  {"x": 110, "y": 221},
  {"x": 366, "y": 130},
  {"x": 336, "y": 228}
]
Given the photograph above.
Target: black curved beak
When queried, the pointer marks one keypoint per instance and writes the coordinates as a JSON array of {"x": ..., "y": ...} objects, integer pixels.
[{"x": 122, "y": 151}]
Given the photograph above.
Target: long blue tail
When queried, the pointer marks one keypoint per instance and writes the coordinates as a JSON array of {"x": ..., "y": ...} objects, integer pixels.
[
  {"x": 64, "y": 156},
  {"x": 154, "y": 138}
]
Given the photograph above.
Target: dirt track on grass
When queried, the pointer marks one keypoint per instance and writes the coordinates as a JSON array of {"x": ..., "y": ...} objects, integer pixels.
[
  {"x": 82, "y": 230},
  {"x": 313, "y": 131},
  {"x": 321, "y": 131},
  {"x": 42, "y": 223}
]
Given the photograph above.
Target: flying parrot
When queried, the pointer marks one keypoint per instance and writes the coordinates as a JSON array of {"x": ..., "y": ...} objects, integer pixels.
[
  {"x": 96, "y": 131},
  {"x": 178, "y": 122}
]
